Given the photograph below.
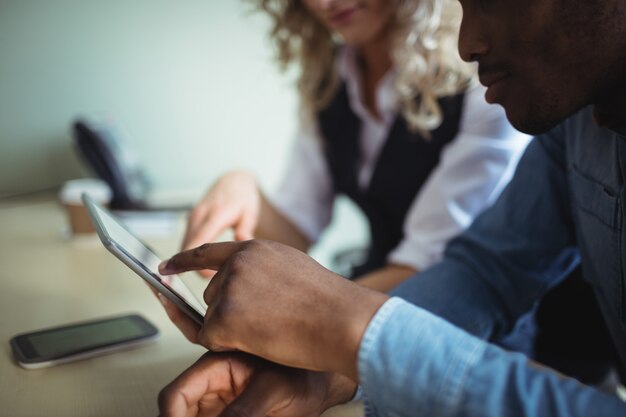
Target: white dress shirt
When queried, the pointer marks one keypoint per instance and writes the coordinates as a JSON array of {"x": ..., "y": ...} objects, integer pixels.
[{"x": 473, "y": 170}]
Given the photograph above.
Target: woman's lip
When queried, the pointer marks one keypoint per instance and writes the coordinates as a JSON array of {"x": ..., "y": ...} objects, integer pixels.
[{"x": 343, "y": 16}]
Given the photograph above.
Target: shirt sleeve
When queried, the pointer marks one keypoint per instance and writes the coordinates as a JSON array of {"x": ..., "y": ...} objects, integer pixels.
[
  {"x": 413, "y": 363},
  {"x": 473, "y": 170},
  {"x": 305, "y": 195}
]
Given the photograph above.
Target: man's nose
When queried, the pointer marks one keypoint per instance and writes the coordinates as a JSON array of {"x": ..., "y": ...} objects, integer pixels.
[{"x": 473, "y": 41}]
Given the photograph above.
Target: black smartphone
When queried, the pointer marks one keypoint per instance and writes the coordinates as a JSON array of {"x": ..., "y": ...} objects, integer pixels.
[{"x": 72, "y": 342}]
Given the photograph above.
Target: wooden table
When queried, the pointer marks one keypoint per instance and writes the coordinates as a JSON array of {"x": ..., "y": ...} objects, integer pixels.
[{"x": 47, "y": 280}]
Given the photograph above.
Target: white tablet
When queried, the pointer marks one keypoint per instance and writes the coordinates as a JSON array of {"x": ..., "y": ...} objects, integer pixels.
[{"x": 141, "y": 259}]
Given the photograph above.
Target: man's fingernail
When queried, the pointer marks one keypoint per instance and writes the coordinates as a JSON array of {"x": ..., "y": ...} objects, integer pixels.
[{"x": 165, "y": 268}]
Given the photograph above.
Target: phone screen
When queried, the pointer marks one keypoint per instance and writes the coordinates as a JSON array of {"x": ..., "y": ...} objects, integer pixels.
[
  {"x": 57, "y": 342},
  {"x": 62, "y": 344}
]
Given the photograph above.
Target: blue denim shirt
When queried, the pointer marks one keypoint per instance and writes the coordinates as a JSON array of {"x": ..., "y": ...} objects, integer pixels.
[
  {"x": 413, "y": 363},
  {"x": 564, "y": 206}
]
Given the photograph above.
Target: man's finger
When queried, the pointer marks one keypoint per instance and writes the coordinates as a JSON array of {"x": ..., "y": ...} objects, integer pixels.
[
  {"x": 263, "y": 395},
  {"x": 181, "y": 397},
  {"x": 211, "y": 333},
  {"x": 209, "y": 375},
  {"x": 188, "y": 327},
  {"x": 211, "y": 292},
  {"x": 207, "y": 256}
]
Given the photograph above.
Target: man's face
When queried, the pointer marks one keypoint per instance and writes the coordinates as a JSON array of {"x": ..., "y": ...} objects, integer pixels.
[{"x": 543, "y": 60}]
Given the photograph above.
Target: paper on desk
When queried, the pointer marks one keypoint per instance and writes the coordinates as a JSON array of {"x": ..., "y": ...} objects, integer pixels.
[{"x": 150, "y": 223}]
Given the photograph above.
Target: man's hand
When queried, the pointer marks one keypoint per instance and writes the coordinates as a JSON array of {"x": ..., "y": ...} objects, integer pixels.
[
  {"x": 275, "y": 302},
  {"x": 242, "y": 385}
]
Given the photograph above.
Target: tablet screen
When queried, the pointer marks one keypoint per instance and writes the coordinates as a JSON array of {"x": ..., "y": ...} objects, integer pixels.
[{"x": 144, "y": 257}]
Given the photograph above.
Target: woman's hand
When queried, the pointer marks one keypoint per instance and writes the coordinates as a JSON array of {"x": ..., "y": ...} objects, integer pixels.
[
  {"x": 243, "y": 385},
  {"x": 232, "y": 202}
]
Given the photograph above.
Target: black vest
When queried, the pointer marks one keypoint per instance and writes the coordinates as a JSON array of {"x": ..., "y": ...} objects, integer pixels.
[{"x": 405, "y": 162}]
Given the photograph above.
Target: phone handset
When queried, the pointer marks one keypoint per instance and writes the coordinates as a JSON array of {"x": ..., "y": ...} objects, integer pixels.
[{"x": 113, "y": 162}]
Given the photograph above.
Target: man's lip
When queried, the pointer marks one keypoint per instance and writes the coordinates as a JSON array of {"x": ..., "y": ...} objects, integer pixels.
[
  {"x": 496, "y": 85},
  {"x": 489, "y": 78}
]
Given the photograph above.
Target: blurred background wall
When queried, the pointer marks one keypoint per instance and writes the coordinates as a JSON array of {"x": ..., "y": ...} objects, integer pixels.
[
  {"x": 192, "y": 84},
  {"x": 189, "y": 82}
]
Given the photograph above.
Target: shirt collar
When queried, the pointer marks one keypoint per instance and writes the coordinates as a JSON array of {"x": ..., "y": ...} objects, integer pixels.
[
  {"x": 607, "y": 121},
  {"x": 386, "y": 96}
]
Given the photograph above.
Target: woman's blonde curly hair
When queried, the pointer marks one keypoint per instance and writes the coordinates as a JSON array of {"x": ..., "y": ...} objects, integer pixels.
[{"x": 423, "y": 49}]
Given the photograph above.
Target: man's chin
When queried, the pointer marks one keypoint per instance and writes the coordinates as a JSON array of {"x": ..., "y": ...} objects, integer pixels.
[{"x": 529, "y": 123}]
